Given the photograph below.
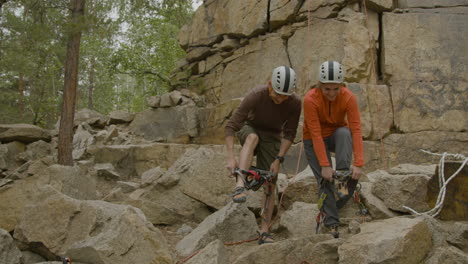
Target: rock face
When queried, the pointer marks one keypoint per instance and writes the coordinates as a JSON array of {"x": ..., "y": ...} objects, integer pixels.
[
  {"x": 418, "y": 67},
  {"x": 428, "y": 87}
]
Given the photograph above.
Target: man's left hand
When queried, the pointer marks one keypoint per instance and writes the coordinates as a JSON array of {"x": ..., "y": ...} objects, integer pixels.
[
  {"x": 357, "y": 173},
  {"x": 275, "y": 166}
]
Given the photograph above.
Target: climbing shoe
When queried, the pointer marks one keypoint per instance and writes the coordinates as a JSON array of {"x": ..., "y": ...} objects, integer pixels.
[
  {"x": 239, "y": 195},
  {"x": 265, "y": 238},
  {"x": 334, "y": 231}
]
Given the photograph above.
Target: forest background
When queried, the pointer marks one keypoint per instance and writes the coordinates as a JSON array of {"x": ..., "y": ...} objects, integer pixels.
[{"x": 128, "y": 50}]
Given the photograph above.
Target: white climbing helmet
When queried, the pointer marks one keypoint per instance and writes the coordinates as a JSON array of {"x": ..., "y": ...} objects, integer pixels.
[
  {"x": 283, "y": 80},
  {"x": 331, "y": 72}
]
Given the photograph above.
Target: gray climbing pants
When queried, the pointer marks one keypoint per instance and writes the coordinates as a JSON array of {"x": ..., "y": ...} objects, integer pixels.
[{"x": 340, "y": 142}]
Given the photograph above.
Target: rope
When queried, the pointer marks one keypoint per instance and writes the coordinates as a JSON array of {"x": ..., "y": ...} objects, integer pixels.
[{"x": 442, "y": 183}]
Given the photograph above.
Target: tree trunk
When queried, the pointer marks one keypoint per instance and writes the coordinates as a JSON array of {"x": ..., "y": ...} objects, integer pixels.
[
  {"x": 91, "y": 83},
  {"x": 21, "y": 93},
  {"x": 65, "y": 143}
]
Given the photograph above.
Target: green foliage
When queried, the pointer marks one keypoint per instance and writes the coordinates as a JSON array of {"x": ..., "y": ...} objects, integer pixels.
[{"x": 128, "y": 49}]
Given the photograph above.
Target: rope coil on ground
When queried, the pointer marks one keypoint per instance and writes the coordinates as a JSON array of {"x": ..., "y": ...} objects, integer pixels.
[{"x": 442, "y": 182}]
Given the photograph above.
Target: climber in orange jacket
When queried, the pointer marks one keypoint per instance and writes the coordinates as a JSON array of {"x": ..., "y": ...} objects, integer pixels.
[{"x": 332, "y": 124}]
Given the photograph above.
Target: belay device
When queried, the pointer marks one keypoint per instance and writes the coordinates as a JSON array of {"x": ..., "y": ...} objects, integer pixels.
[{"x": 255, "y": 177}]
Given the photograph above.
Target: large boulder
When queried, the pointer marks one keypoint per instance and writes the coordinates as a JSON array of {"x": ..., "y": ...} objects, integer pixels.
[
  {"x": 133, "y": 160},
  {"x": 429, "y": 88},
  {"x": 167, "y": 206},
  {"x": 9, "y": 253},
  {"x": 377, "y": 208},
  {"x": 92, "y": 231},
  {"x": 302, "y": 188},
  {"x": 24, "y": 133},
  {"x": 319, "y": 249},
  {"x": 175, "y": 124},
  {"x": 81, "y": 140},
  {"x": 395, "y": 240},
  {"x": 15, "y": 196},
  {"x": 9, "y": 153},
  {"x": 90, "y": 117},
  {"x": 120, "y": 117},
  {"x": 36, "y": 150},
  {"x": 299, "y": 220},
  {"x": 204, "y": 177},
  {"x": 448, "y": 254},
  {"x": 213, "y": 253},
  {"x": 231, "y": 224},
  {"x": 401, "y": 189},
  {"x": 72, "y": 181}
]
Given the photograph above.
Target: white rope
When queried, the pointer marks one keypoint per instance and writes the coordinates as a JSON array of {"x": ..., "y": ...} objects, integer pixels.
[{"x": 442, "y": 183}]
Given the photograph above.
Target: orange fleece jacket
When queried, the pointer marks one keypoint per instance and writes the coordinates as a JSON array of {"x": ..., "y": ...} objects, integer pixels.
[{"x": 322, "y": 117}]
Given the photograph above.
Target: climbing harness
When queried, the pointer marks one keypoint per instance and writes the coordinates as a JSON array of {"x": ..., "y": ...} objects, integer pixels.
[
  {"x": 442, "y": 183},
  {"x": 255, "y": 177}
]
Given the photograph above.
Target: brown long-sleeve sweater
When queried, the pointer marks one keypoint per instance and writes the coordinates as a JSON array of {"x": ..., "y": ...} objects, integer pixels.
[{"x": 260, "y": 112}]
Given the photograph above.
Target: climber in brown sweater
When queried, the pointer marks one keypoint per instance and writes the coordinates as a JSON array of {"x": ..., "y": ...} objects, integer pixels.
[{"x": 265, "y": 124}]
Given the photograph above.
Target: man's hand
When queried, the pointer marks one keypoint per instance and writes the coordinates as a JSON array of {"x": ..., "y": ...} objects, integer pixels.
[
  {"x": 275, "y": 166},
  {"x": 231, "y": 165},
  {"x": 357, "y": 173},
  {"x": 327, "y": 173}
]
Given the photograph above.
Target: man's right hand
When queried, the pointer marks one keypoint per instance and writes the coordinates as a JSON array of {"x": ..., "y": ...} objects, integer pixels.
[
  {"x": 327, "y": 173},
  {"x": 231, "y": 165}
]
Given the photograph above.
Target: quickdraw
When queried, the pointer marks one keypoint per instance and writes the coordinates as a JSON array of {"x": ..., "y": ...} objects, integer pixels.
[
  {"x": 321, "y": 215},
  {"x": 363, "y": 211}
]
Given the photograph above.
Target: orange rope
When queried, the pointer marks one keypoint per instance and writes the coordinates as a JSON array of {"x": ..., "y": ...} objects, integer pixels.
[
  {"x": 189, "y": 257},
  {"x": 376, "y": 95}
]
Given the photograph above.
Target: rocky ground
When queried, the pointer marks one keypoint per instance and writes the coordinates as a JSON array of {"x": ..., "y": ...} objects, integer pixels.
[{"x": 130, "y": 200}]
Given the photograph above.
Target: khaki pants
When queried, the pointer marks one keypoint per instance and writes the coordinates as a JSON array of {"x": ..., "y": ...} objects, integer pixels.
[{"x": 267, "y": 147}]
